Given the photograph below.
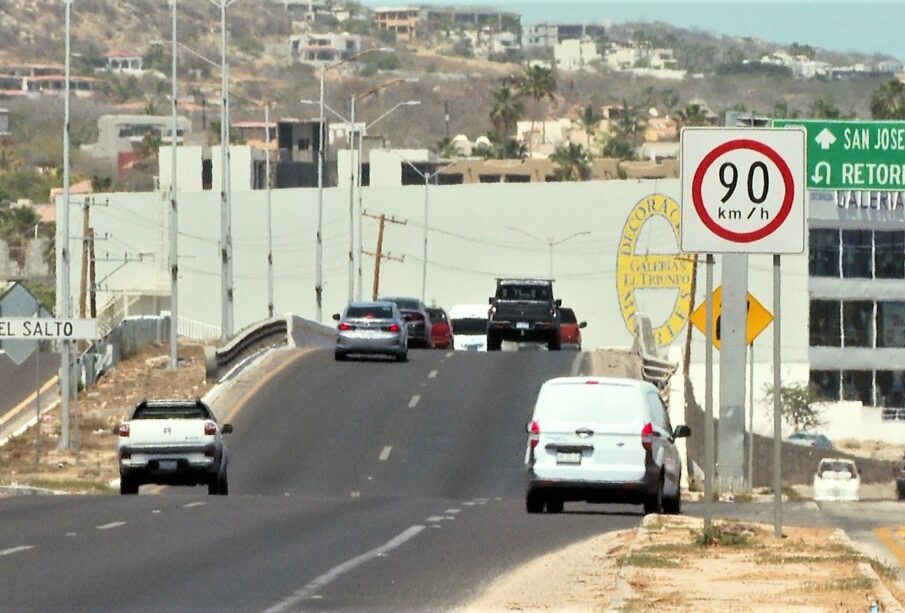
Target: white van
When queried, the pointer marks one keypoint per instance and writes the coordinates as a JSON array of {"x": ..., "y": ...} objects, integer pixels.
[
  {"x": 602, "y": 440},
  {"x": 469, "y": 326}
]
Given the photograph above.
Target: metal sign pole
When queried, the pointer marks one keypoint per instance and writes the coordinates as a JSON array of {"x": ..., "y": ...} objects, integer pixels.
[
  {"x": 38, "y": 397},
  {"x": 751, "y": 416},
  {"x": 708, "y": 395},
  {"x": 777, "y": 405}
]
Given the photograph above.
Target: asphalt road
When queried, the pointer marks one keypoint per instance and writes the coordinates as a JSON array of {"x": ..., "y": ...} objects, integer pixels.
[{"x": 363, "y": 485}]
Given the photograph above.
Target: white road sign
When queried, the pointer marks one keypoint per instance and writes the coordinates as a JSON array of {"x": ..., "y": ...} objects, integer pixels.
[
  {"x": 743, "y": 190},
  {"x": 40, "y": 328}
]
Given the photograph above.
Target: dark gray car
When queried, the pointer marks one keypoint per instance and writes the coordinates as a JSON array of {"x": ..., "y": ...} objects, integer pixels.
[{"x": 416, "y": 318}]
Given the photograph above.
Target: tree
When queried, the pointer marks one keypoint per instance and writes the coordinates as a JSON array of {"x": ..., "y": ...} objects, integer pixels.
[
  {"x": 781, "y": 111},
  {"x": 796, "y": 405},
  {"x": 538, "y": 83},
  {"x": 101, "y": 183},
  {"x": 8, "y": 160},
  {"x": 693, "y": 115},
  {"x": 506, "y": 110},
  {"x": 888, "y": 101},
  {"x": 821, "y": 109},
  {"x": 590, "y": 119},
  {"x": 572, "y": 162},
  {"x": 17, "y": 225},
  {"x": 446, "y": 148}
]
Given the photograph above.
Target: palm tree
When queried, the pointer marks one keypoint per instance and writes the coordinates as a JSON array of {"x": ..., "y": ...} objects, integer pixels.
[
  {"x": 538, "y": 83},
  {"x": 590, "y": 119},
  {"x": 888, "y": 101},
  {"x": 507, "y": 109},
  {"x": 16, "y": 225},
  {"x": 572, "y": 161},
  {"x": 693, "y": 115}
]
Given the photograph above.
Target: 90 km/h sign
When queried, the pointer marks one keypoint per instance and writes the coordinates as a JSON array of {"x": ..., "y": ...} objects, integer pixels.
[{"x": 742, "y": 190}]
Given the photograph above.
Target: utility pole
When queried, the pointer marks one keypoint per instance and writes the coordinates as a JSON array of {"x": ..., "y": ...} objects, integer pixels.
[
  {"x": 92, "y": 276},
  {"x": 174, "y": 219},
  {"x": 83, "y": 282},
  {"x": 62, "y": 249},
  {"x": 379, "y": 255},
  {"x": 446, "y": 116}
]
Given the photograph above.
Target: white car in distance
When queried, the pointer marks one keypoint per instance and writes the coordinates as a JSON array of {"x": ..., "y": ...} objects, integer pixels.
[
  {"x": 172, "y": 442},
  {"x": 469, "y": 327},
  {"x": 837, "y": 480}
]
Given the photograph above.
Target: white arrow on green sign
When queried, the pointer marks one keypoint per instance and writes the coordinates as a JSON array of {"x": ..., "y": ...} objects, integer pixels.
[{"x": 853, "y": 155}]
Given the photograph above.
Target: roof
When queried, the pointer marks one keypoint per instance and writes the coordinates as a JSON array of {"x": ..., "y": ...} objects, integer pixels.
[{"x": 624, "y": 381}]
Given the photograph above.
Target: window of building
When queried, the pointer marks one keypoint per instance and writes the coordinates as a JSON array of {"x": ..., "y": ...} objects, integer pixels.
[
  {"x": 858, "y": 323},
  {"x": 857, "y": 253},
  {"x": 489, "y": 178},
  {"x": 890, "y": 388},
  {"x": 823, "y": 253},
  {"x": 858, "y": 385},
  {"x": 891, "y": 324},
  {"x": 825, "y": 384},
  {"x": 889, "y": 258},
  {"x": 825, "y": 330},
  {"x": 518, "y": 178}
]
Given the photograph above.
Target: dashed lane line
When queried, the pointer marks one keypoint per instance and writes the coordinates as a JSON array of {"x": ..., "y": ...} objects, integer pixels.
[
  {"x": 12, "y": 550},
  {"x": 414, "y": 401},
  {"x": 449, "y": 354},
  {"x": 311, "y": 590},
  {"x": 889, "y": 541},
  {"x": 111, "y": 525},
  {"x": 194, "y": 504},
  {"x": 432, "y": 374},
  {"x": 385, "y": 453}
]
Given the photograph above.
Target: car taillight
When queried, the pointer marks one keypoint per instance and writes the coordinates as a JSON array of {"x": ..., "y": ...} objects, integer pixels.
[
  {"x": 534, "y": 437},
  {"x": 344, "y": 326},
  {"x": 210, "y": 428},
  {"x": 594, "y": 382},
  {"x": 647, "y": 436},
  {"x": 393, "y": 328},
  {"x": 124, "y": 430}
]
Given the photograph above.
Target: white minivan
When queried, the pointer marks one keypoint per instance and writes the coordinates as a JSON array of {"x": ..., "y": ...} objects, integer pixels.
[
  {"x": 469, "y": 326},
  {"x": 602, "y": 440}
]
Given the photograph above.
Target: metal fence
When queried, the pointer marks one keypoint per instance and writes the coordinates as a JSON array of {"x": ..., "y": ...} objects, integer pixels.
[{"x": 197, "y": 330}]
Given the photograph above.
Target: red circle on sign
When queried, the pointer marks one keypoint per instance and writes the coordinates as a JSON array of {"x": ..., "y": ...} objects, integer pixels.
[{"x": 784, "y": 209}]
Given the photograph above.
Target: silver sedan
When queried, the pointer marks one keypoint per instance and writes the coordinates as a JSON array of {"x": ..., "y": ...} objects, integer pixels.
[{"x": 371, "y": 328}]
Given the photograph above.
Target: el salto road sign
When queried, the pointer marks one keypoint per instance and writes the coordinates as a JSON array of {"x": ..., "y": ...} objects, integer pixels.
[
  {"x": 743, "y": 190},
  {"x": 45, "y": 328},
  {"x": 758, "y": 318},
  {"x": 853, "y": 155}
]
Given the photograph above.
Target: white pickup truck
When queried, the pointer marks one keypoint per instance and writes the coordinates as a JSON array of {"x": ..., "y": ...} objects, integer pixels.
[{"x": 172, "y": 442}]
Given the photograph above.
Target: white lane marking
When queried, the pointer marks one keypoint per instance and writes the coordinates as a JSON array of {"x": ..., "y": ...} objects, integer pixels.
[
  {"x": 468, "y": 504},
  {"x": 451, "y": 511},
  {"x": 414, "y": 401},
  {"x": 385, "y": 453},
  {"x": 194, "y": 504},
  {"x": 355, "y": 494},
  {"x": 576, "y": 364},
  {"x": 434, "y": 518},
  {"x": 432, "y": 374},
  {"x": 155, "y": 511},
  {"x": 450, "y": 517},
  {"x": 71, "y": 534},
  {"x": 13, "y": 550},
  {"x": 337, "y": 571},
  {"x": 113, "y": 524},
  {"x": 449, "y": 354}
]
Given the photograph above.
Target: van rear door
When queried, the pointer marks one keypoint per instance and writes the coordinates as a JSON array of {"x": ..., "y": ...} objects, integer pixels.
[{"x": 589, "y": 430}]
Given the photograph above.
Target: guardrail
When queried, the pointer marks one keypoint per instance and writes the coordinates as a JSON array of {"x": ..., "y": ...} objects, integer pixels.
[{"x": 268, "y": 333}]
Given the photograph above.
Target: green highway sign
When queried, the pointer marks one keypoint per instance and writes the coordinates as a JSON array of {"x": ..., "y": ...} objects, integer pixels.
[{"x": 853, "y": 155}]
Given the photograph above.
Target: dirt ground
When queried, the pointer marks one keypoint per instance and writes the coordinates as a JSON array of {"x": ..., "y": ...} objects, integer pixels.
[
  {"x": 672, "y": 564},
  {"x": 91, "y": 465}
]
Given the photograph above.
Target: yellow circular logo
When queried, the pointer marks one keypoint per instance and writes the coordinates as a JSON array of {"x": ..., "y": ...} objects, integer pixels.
[{"x": 636, "y": 271}]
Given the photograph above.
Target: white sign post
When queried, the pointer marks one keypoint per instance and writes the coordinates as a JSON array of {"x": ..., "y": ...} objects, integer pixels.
[{"x": 743, "y": 192}]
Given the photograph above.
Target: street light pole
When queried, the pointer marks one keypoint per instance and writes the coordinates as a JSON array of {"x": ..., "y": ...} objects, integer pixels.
[
  {"x": 269, "y": 210},
  {"x": 319, "y": 251},
  {"x": 63, "y": 248},
  {"x": 174, "y": 220},
  {"x": 550, "y": 242},
  {"x": 351, "y": 201}
]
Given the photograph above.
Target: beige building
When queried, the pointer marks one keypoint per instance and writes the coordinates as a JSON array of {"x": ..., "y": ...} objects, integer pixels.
[{"x": 401, "y": 20}]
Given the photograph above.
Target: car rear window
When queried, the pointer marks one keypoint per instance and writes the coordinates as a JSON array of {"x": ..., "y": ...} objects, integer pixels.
[
  {"x": 469, "y": 325},
  {"x": 584, "y": 403},
  {"x": 524, "y": 292},
  {"x": 837, "y": 467},
  {"x": 567, "y": 316},
  {"x": 405, "y": 303},
  {"x": 436, "y": 315},
  {"x": 371, "y": 312},
  {"x": 166, "y": 411}
]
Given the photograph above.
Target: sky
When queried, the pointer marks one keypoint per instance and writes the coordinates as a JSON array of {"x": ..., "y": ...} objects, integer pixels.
[{"x": 864, "y": 26}]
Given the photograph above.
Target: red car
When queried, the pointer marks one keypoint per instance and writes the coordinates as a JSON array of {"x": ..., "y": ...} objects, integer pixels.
[
  {"x": 441, "y": 333},
  {"x": 570, "y": 328}
]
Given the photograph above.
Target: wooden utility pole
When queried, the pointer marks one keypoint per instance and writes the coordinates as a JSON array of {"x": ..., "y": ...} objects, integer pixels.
[
  {"x": 379, "y": 254},
  {"x": 83, "y": 287}
]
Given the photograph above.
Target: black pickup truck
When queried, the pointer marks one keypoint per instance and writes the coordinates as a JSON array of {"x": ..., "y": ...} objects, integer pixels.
[{"x": 523, "y": 310}]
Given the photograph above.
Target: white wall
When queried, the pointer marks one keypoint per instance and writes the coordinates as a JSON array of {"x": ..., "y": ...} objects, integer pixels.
[{"x": 188, "y": 167}]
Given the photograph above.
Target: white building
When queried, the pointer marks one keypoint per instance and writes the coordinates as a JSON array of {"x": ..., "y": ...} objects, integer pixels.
[
  {"x": 126, "y": 133},
  {"x": 575, "y": 54},
  {"x": 317, "y": 49}
]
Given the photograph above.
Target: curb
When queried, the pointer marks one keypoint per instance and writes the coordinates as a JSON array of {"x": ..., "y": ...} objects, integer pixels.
[
  {"x": 885, "y": 599},
  {"x": 622, "y": 591}
]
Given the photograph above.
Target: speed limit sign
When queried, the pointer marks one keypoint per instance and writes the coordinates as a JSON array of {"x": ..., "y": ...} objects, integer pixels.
[{"x": 743, "y": 190}]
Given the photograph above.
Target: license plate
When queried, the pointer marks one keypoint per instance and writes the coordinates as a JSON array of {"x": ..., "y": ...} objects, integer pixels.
[
  {"x": 568, "y": 457},
  {"x": 167, "y": 465},
  {"x": 522, "y": 325}
]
